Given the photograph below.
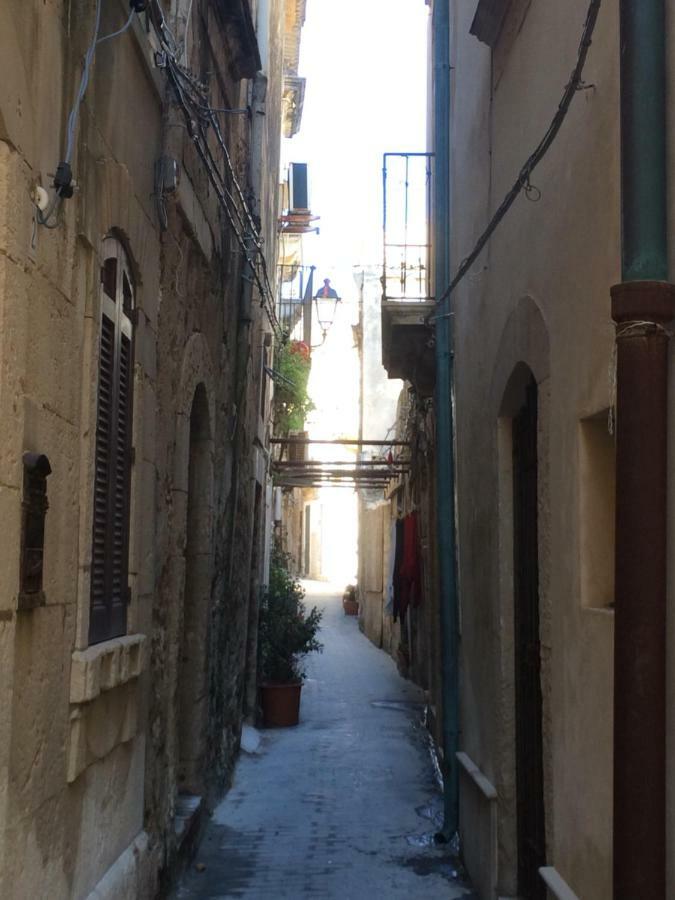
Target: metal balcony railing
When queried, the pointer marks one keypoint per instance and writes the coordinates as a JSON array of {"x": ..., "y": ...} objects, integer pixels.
[
  {"x": 294, "y": 281},
  {"x": 406, "y": 195}
]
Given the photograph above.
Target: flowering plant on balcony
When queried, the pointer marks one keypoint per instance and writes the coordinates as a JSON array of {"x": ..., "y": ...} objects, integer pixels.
[
  {"x": 300, "y": 348},
  {"x": 291, "y": 399}
]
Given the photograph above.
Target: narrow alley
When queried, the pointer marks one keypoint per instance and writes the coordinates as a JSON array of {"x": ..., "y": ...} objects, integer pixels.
[
  {"x": 337, "y": 372},
  {"x": 345, "y": 805}
]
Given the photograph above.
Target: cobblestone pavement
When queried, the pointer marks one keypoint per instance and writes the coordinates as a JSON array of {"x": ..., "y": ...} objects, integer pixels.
[{"x": 341, "y": 806}]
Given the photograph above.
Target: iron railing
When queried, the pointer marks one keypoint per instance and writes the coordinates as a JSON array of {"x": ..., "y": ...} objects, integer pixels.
[{"x": 406, "y": 191}]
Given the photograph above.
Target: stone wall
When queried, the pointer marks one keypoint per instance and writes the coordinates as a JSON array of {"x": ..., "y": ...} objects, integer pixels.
[{"x": 96, "y": 742}]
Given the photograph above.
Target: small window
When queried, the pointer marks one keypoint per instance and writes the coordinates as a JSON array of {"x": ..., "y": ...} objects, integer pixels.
[
  {"x": 36, "y": 470},
  {"x": 597, "y": 485},
  {"x": 109, "y": 277},
  {"x": 112, "y": 463}
]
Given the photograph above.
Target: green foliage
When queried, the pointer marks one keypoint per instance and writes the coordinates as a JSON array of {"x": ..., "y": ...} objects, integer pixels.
[
  {"x": 286, "y": 631},
  {"x": 292, "y": 404}
]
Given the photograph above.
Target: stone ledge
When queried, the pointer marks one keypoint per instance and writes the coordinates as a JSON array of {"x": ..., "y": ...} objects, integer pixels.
[
  {"x": 555, "y": 883},
  {"x": 105, "y": 666},
  {"x": 130, "y": 875},
  {"x": 98, "y": 727},
  {"x": 481, "y": 781}
]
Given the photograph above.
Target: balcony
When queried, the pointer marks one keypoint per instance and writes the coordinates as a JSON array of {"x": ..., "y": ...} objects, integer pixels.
[
  {"x": 294, "y": 297},
  {"x": 407, "y": 305},
  {"x": 407, "y": 349}
]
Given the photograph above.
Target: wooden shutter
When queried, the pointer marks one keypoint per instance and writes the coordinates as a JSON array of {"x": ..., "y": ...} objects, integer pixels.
[{"x": 112, "y": 470}]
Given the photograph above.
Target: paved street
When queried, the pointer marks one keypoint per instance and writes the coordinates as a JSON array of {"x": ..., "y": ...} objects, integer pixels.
[{"x": 341, "y": 806}]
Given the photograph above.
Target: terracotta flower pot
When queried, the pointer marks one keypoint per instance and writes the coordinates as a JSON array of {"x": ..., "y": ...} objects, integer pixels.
[
  {"x": 280, "y": 704},
  {"x": 351, "y": 607}
]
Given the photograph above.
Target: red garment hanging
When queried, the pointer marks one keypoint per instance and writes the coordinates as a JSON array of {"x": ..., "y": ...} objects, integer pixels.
[{"x": 410, "y": 573}]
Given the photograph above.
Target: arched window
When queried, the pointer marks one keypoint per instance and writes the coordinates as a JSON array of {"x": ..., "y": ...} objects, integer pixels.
[{"x": 112, "y": 466}]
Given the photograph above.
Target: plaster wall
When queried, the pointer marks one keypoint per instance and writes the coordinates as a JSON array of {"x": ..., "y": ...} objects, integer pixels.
[
  {"x": 372, "y": 575},
  {"x": 539, "y": 295},
  {"x": 379, "y": 413}
]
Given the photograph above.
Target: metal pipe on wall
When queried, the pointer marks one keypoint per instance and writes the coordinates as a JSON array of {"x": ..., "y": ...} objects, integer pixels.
[
  {"x": 445, "y": 464},
  {"x": 641, "y": 306}
]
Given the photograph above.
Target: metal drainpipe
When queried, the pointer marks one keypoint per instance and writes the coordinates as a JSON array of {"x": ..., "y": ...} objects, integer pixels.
[
  {"x": 445, "y": 466},
  {"x": 641, "y": 306},
  {"x": 243, "y": 437}
]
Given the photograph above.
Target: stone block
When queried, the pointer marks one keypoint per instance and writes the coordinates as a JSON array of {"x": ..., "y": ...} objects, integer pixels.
[
  {"x": 13, "y": 359},
  {"x": 142, "y": 549},
  {"x": 16, "y": 209},
  {"x": 105, "y": 666},
  {"x": 145, "y": 346},
  {"x": 39, "y": 723},
  {"x": 85, "y": 675},
  {"x": 48, "y": 433},
  {"x": 98, "y": 727},
  {"x": 10, "y": 516},
  {"x": 130, "y": 720},
  {"x": 53, "y": 377},
  {"x": 123, "y": 878},
  {"x": 132, "y": 657},
  {"x": 110, "y": 669},
  {"x": 77, "y": 745}
]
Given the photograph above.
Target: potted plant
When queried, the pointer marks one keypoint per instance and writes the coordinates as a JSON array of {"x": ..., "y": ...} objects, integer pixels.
[
  {"x": 349, "y": 602},
  {"x": 286, "y": 634}
]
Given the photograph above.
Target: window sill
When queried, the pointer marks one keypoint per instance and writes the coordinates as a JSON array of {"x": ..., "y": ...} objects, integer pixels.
[
  {"x": 104, "y": 700},
  {"x": 105, "y": 666},
  {"x": 606, "y": 612}
]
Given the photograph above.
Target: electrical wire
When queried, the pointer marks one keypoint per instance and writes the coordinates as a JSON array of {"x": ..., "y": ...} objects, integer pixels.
[
  {"x": 204, "y": 110},
  {"x": 163, "y": 31},
  {"x": 45, "y": 218},
  {"x": 84, "y": 81},
  {"x": 193, "y": 100},
  {"x": 204, "y": 152},
  {"x": 188, "y": 16},
  {"x": 202, "y": 113},
  {"x": 523, "y": 180},
  {"x": 120, "y": 31},
  {"x": 52, "y": 211},
  {"x": 233, "y": 112}
]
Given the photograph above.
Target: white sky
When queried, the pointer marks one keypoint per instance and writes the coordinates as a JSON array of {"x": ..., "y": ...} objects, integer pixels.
[
  {"x": 365, "y": 65},
  {"x": 366, "y": 70}
]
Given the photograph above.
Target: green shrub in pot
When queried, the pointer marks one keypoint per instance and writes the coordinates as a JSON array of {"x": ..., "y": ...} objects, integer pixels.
[{"x": 287, "y": 632}]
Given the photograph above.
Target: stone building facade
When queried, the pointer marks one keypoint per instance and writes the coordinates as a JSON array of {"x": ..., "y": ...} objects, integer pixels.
[
  {"x": 133, "y": 334},
  {"x": 536, "y": 456},
  {"x": 536, "y": 447},
  {"x": 533, "y": 338}
]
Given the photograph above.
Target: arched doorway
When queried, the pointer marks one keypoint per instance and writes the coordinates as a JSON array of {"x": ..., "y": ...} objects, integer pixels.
[
  {"x": 193, "y": 661},
  {"x": 531, "y": 830}
]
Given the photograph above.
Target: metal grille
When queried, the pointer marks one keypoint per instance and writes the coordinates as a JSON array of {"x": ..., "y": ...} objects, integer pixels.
[{"x": 529, "y": 741}]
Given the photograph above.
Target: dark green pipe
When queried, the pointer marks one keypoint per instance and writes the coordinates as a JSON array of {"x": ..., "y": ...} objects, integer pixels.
[
  {"x": 639, "y": 808},
  {"x": 445, "y": 464},
  {"x": 643, "y": 140}
]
